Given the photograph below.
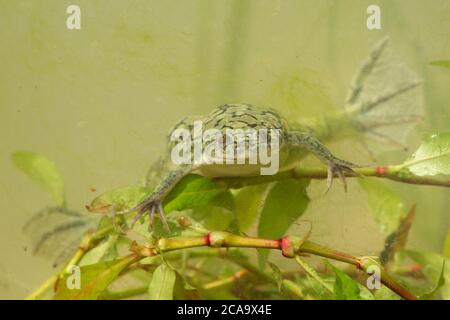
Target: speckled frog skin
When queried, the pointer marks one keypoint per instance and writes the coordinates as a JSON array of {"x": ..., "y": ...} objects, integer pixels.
[
  {"x": 236, "y": 116},
  {"x": 294, "y": 144}
]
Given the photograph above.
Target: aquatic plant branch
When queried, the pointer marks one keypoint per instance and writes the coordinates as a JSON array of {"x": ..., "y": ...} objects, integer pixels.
[
  {"x": 390, "y": 172},
  {"x": 290, "y": 247},
  {"x": 88, "y": 241},
  {"x": 226, "y": 281},
  {"x": 44, "y": 288}
]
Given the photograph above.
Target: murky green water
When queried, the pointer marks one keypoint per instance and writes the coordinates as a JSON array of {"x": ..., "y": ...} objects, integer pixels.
[{"x": 99, "y": 101}]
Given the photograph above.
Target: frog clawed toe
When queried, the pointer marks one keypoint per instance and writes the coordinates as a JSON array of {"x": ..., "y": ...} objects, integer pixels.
[
  {"x": 340, "y": 170},
  {"x": 150, "y": 206}
]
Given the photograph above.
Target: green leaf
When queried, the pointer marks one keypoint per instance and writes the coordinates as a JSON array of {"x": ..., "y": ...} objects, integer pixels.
[
  {"x": 441, "y": 281},
  {"x": 314, "y": 289},
  {"x": 286, "y": 201},
  {"x": 277, "y": 275},
  {"x": 118, "y": 199},
  {"x": 43, "y": 172},
  {"x": 365, "y": 293},
  {"x": 162, "y": 284},
  {"x": 431, "y": 264},
  {"x": 196, "y": 191},
  {"x": 193, "y": 191},
  {"x": 213, "y": 218},
  {"x": 432, "y": 157},
  {"x": 441, "y": 63},
  {"x": 387, "y": 208},
  {"x": 249, "y": 202},
  {"x": 95, "y": 279},
  {"x": 105, "y": 251},
  {"x": 345, "y": 288},
  {"x": 384, "y": 293},
  {"x": 313, "y": 274},
  {"x": 292, "y": 287}
]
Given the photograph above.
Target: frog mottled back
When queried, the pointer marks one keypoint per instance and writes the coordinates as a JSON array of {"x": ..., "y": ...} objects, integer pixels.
[
  {"x": 244, "y": 116},
  {"x": 239, "y": 125},
  {"x": 236, "y": 116}
]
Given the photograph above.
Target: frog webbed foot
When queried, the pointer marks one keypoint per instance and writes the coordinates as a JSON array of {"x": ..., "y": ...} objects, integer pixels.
[
  {"x": 341, "y": 169},
  {"x": 149, "y": 206}
]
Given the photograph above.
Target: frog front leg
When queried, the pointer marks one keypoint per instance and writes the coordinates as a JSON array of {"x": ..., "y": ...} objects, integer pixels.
[
  {"x": 154, "y": 202},
  {"x": 336, "y": 166}
]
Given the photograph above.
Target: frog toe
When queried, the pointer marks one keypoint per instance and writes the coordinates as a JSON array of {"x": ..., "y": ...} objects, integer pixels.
[
  {"x": 341, "y": 170},
  {"x": 150, "y": 206}
]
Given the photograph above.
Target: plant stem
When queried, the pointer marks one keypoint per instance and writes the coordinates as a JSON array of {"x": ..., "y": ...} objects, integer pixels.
[
  {"x": 318, "y": 250},
  {"x": 293, "y": 288},
  {"x": 43, "y": 288},
  {"x": 88, "y": 241},
  {"x": 215, "y": 239},
  {"x": 390, "y": 172},
  {"x": 366, "y": 262},
  {"x": 290, "y": 247},
  {"x": 225, "y": 281}
]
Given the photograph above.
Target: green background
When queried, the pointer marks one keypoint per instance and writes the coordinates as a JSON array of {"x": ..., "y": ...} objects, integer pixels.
[{"x": 100, "y": 100}]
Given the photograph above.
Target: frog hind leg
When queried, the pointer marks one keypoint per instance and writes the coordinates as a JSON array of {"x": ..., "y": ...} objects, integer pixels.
[{"x": 336, "y": 167}]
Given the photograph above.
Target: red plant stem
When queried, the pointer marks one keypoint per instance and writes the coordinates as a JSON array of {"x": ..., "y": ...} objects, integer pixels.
[{"x": 290, "y": 246}]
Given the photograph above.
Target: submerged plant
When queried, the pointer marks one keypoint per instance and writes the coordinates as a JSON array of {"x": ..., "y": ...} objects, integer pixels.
[{"x": 204, "y": 206}]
